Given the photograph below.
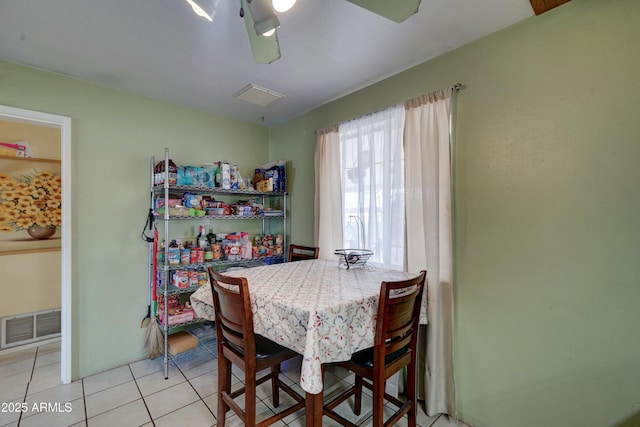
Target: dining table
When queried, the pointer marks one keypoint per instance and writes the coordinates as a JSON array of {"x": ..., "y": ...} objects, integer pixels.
[{"x": 318, "y": 308}]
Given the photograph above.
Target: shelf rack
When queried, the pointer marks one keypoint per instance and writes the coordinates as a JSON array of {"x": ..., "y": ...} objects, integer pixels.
[{"x": 165, "y": 190}]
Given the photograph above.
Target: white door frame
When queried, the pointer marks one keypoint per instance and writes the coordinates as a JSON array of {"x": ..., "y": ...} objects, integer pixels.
[{"x": 64, "y": 124}]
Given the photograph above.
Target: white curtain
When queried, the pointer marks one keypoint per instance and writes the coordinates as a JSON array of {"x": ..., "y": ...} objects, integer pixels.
[
  {"x": 429, "y": 237},
  {"x": 328, "y": 196},
  {"x": 373, "y": 185}
]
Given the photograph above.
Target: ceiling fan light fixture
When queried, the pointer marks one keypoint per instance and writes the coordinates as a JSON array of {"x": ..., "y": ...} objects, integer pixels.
[
  {"x": 204, "y": 8},
  {"x": 265, "y": 50},
  {"x": 267, "y": 25},
  {"x": 283, "y": 5},
  {"x": 264, "y": 20}
]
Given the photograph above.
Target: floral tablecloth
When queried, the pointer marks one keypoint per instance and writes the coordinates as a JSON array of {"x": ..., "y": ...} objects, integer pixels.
[{"x": 317, "y": 308}]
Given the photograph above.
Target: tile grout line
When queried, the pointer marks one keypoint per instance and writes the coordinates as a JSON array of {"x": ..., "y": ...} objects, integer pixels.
[
  {"x": 108, "y": 388},
  {"x": 26, "y": 391},
  {"x": 175, "y": 385},
  {"x": 435, "y": 421},
  {"x": 84, "y": 403},
  {"x": 141, "y": 396},
  {"x": 194, "y": 389}
]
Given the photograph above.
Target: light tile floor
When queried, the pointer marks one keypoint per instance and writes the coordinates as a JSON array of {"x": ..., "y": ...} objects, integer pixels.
[{"x": 138, "y": 395}]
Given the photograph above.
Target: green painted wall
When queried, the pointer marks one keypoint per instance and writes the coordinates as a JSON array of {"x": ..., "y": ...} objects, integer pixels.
[
  {"x": 114, "y": 135},
  {"x": 546, "y": 215}
]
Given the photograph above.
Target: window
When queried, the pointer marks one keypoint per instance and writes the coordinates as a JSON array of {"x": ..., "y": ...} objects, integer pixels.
[{"x": 371, "y": 155}]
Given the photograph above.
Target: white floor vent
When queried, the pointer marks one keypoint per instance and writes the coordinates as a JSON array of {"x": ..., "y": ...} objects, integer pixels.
[{"x": 31, "y": 327}]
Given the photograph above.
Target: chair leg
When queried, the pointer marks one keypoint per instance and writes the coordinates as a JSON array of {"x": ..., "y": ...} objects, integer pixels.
[
  {"x": 357, "y": 406},
  {"x": 250, "y": 399},
  {"x": 378, "y": 403},
  {"x": 224, "y": 386},
  {"x": 275, "y": 390},
  {"x": 411, "y": 394}
]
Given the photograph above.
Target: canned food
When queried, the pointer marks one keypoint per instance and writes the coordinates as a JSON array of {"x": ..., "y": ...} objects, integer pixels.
[
  {"x": 202, "y": 278},
  {"x": 193, "y": 278},
  {"x": 216, "y": 251},
  {"x": 197, "y": 255},
  {"x": 174, "y": 256}
]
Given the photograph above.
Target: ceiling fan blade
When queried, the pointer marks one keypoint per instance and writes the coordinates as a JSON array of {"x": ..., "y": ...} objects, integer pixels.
[
  {"x": 396, "y": 10},
  {"x": 265, "y": 49}
]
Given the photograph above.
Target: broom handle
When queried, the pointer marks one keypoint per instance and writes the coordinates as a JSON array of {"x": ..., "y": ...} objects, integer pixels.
[
  {"x": 154, "y": 268},
  {"x": 153, "y": 249},
  {"x": 149, "y": 296}
]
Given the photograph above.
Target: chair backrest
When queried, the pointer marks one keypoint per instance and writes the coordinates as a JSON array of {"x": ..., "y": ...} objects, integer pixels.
[
  {"x": 234, "y": 319},
  {"x": 299, "y": 252},
  {"x": 398, "y": 320}
]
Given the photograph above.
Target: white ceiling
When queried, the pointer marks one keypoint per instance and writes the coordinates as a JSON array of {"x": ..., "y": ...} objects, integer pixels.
[{"x": 161, "y": 49}]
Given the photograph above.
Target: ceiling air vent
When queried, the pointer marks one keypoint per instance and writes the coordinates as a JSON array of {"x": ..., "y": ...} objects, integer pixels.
[{"x": 257, "y": 95}]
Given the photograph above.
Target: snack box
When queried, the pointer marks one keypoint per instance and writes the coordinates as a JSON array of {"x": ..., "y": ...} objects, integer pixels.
[{"x": 187, "y": 315}]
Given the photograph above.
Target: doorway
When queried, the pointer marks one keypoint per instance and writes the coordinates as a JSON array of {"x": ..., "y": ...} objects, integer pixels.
[{"x": 64, "y": 125}]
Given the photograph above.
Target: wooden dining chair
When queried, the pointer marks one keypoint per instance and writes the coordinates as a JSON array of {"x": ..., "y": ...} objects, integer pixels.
[
  {"x": 238, "y": 345},
  {"x": 299, "y": 252},
  {"x": 394, "y": 348}
]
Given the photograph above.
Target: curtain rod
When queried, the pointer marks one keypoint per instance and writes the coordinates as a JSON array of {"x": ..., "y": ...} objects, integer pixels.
[{"x": 455, "y": 87}]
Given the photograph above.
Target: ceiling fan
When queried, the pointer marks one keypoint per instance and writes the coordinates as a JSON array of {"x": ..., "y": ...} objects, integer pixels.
[{"x": 262, "y": 22}]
